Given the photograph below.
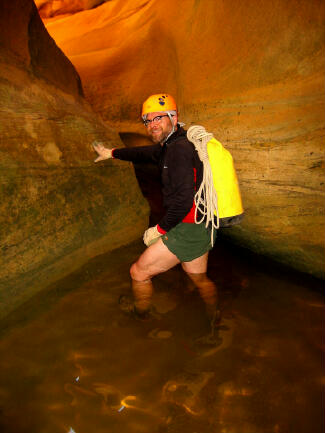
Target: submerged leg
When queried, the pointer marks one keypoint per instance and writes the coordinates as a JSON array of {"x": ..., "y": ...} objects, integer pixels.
[
  {"x": 154, "y": 260},
  {"x": 209, "y": 294},
  {"x": 142, "y": 293}
]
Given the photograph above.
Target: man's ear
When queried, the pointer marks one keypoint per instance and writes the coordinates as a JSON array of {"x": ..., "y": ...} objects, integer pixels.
[{"x": 175, "y": 119}]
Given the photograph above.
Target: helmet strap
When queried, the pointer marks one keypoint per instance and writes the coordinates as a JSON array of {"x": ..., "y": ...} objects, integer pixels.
[{"x": 173, "y": 126}]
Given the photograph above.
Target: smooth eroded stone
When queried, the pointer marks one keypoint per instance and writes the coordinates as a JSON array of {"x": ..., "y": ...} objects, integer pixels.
[{"x": 57, "y": 207}]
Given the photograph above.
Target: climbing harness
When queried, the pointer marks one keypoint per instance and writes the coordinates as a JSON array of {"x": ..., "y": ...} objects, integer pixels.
[{"x": 218, "y": 197}]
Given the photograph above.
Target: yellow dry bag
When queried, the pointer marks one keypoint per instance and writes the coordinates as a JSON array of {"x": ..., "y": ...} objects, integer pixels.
[
  {"x": 218, "y": 197},
  {"x": 225, "y": 183}
]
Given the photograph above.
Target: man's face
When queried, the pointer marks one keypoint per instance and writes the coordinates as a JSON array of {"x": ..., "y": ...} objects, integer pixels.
[{"x": 158, "y": 130}]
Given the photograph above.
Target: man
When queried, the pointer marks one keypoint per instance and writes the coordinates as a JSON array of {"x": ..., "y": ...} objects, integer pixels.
[{"x": 176, "y": 238}]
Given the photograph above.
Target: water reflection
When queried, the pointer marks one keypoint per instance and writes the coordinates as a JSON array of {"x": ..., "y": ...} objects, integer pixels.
[{"x": 71, "y": 361}]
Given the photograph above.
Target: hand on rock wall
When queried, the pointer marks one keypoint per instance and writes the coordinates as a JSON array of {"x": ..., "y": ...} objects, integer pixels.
[{"x": 102, "y": 151}]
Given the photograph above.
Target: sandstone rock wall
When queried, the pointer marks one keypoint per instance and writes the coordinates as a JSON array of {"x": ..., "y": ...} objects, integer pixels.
[
  {"x": 25, "y": 41},
  {"x": 57, "y": 208},
  {"x": 64, "y": 7},
  {"x": 251, "y": 72}
]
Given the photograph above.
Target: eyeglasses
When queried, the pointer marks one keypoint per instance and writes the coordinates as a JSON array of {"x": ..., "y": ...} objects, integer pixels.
[{"x": 156, "y": 119}]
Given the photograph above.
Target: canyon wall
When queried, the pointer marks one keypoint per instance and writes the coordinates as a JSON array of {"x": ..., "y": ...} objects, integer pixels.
[
  {"x": 251, "y": 72},
  {"x": 57, "y": 208}
]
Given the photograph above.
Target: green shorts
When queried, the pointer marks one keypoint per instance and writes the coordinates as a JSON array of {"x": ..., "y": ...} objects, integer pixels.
[{"x": 188, "y": 241}]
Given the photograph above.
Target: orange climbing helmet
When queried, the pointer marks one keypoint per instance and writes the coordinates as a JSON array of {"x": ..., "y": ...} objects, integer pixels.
[{"x": 159, "y": 102}]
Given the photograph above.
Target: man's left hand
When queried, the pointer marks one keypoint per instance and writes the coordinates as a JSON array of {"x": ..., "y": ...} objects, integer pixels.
[
  {"x": 102, "y": 151},
  {"x": 151, "y": 236}
]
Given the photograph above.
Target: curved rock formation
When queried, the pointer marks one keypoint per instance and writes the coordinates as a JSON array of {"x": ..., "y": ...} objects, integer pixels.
[
  {"x": 57, "y": 208},
  {"x": 252, "y": 73},
  {"x": 52, "y": 8}
]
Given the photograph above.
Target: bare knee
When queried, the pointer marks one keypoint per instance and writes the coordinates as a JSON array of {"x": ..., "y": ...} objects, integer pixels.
[
  {"x": 138, "y": 274},
  {"x": 134, "y": 272}
]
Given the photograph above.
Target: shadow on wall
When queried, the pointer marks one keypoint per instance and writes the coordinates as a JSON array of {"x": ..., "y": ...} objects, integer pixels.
[{"x": 148, "y": 177}]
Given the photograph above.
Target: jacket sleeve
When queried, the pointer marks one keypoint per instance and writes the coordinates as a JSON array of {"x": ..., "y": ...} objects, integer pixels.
[
  {"x": 138, "y": 154},
  {"x": 182, "y": 183}
]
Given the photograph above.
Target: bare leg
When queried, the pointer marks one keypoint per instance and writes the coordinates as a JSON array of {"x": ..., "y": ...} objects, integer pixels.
[
  {"x": 154, "y": 260},
  {"x": 196, "y": 270}
]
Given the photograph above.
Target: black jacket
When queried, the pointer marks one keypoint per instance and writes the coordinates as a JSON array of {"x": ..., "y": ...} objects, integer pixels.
[{"x": 181, "y": 174}]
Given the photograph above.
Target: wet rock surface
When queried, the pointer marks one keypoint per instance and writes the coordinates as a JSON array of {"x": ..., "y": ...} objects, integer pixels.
[
  {"x": 57, "y": 208},
  {"x": 71, "y": 359}
]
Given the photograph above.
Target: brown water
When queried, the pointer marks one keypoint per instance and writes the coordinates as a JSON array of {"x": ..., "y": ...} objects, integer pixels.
[{"x": 71, "y": 361}]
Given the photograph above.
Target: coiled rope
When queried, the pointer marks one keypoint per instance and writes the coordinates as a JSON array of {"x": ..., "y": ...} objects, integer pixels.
[{"x": 206, "y": 198}]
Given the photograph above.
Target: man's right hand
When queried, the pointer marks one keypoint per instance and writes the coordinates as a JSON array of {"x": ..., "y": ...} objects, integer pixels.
[
  {"x": 102, "y": 151},
  {"x": 151, "y": 235}
]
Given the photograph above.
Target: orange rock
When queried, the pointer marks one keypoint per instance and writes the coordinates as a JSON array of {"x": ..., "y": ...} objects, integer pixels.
[
  {"x": 51, "y": 8},
  {"x": 23, "y": 39}
]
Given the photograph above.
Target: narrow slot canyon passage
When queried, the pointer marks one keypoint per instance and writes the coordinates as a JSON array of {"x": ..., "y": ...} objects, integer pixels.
[{"x": 72, "y": 360}]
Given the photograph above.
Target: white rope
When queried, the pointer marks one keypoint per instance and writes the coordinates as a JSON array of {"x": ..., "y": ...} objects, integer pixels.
[{"x": 205, "y": 199}]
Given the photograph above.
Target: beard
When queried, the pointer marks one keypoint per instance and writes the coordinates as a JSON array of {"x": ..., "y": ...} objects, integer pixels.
[{"x": 158, "y": 135}]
